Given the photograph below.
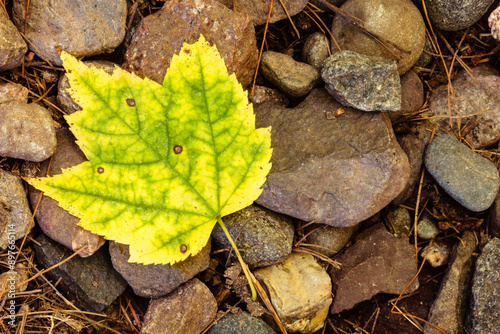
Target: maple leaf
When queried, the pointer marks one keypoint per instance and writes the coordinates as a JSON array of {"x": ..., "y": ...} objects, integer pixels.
[{"x": 165, "y": 161}]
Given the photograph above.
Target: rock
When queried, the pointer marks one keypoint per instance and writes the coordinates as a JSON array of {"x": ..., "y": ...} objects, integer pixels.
[
  {"x": 470, "y": 179},
  {"x": 26, "y": 131},
  {"x": 412, "y": 92},
  {"x": 377, "y": 263},
  {"x": 494, "y": 23},
  {"x": 398, "y": 221},
  {"x": 258, "y": 10},
  {"x": 328, "y": 240},
  {"x": 453, "y": 15},
  {"x": 157, "y": 280},
  {"x": 448, "y": 310},
  {"x": 494, "y": 221},
  {"x": 159, "y": 36},
  {"x": 437, "y": 253},
  {"x": 291, "y": 77},
  {"x": 427, "y": 228},
  {"x": 425, "y": 57},
  {"x": 10, "y": 279},
  {"x": 63, "y": 96},
  {"x": 13, "y": 91},
  {"x": 15, "y": 214},
  {"x": 398, "y": 21},
  {"x": 262, "y": 94},
  {"x": 300, "y": 291},
  {"x": 337, "y": 171},
  {"x": 262, "y": 236},
  {"x": 363, "y": 82},
  {"x": 189, "y": 309},
  {"x": 91, "y": 282},
  {"x": 477, "y": 109},
  {"x": 12, "y": 45},
  {"x": 57, "y": 223},
  {"x": 78, "y": 27},
  {"x": 316, "y": 49},
  {"x": 484, "y": 303},
  {"x": 240, "y": 323}
]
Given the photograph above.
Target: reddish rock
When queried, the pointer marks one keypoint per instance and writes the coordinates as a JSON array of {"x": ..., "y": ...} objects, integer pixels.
[{"x": 258, "y": 10}]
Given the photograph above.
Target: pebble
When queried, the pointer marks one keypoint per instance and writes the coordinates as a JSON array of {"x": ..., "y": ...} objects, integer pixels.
[
  {"x": 425, "y": 57},
  {"x": 363, "y": 82},
  {"x": 12, "y": 45},
  {"x": 412, "y": 92},
  {"x": 293, "y": 78},
  {"x": 398, "y": 21},
  {"x": 15, "y": 213},
  {"x": 316, "y": 49},
  {"x": 12, "y": 278},
  {"x": 91, "y": 282},
  {"x": 448, "y": 310},
  {"x": 470, "y": 179},
  {"x": 494, "y": 221},
  {"x": 484, "y": 302},
  {"x": 398, "y": 221},
  {"x": 189, "y": 309},
  {"x": 262, "y": 94},
  {"x": 159, "y": 36},
  {"x": 240, "y": 323},
  {"x": 337, "y": 171},
  {"x": 55, "y": 222},
  {"x": 95, "y": 27},
  {"x": 26, "y": 131},
  {"x": 156, "y": 280},
  {"x": 258, "y": 10},
  {"x": 263, "y": 237},
  {"x": 13, "y": 91},
  {"x": 328, "y": 240},
  {"x": 427, "y": 229},
  {"x": 453, "y": 15},
  {"x": 437, "y": 253},
  {"x": 300, "y": 291},
  {"x": 377, "y": 263}
]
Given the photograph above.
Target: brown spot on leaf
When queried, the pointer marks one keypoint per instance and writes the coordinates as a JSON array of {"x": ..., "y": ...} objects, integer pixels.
[
  {"x": 100, "y": 170},
  {"x": 184, "y": 248},
  {"x": 130, "y": 102},
  {"x": 178, "y": 149},
  {"x": 187, "y": 51}
]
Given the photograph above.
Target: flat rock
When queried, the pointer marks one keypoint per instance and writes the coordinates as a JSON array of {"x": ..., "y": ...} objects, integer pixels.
[
  {"x": 453, "y": 15},
  {"x": 159, "y": 36},
  {"x": 12, "y": 45},
  {"x": 80, "y": 27},
  {"x": 364, "y": 82},
  {"x": 263, "y": 237},
  {"x": 258, "y": 10},
  {"x": 57, "y": 223},
  {"x": 448, "y": 310},
  {"x": 377, "y": 263},
  {"x": 300, "y": 291},
  {"x": 293, "y": 78},
  {"x": 484, "y": 303},
  {"x": 334, "y": 170},
  {"x": 15, "y": 213},
  {"x": 316, "y": 49},
  {"x": 240, "y": 323},
  {"x": 157, "y": 280},
  {"x": 398, "y": 21},
  {"x": 26, "y": 131},
  {"x": 328, "y": 240},
  {"x": 469, "y": 178},
  {"x": 91, "y": 282},
  {"x": 189, "y": 309}
]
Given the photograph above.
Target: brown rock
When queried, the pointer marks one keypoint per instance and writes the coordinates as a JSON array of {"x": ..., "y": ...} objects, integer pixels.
[
  {"x": 412, "y": 95},
  {"x": 328, "y": 240},
  {"x": 494, "y": 222},
  {"x": 13, "y": 91},
  {"x": 159, "y": 36},
  {"x": 377, "y": 262},
  {"x": 334, "y": 170},
  {"x": 12, "y": 45},
  {"x": 258, "y": 10}
]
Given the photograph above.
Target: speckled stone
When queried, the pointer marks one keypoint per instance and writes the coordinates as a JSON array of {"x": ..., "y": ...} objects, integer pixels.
[
  {"x": 398, "y": 221},
  {"x": 316, "y": 49},
  {"x": 453, "y": 15},
  {"x": 427, "y": 229},
  {"x": 328, "y": 240},
  {"x": 258, "y": 10},
  {"x": 437, "y": 253},
  {"x": 12, "y": 45},
  {"x": 240, "y": 323}
]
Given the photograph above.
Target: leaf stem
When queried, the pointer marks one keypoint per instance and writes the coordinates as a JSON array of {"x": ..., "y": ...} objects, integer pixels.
[{"x": 243, "y": 264}]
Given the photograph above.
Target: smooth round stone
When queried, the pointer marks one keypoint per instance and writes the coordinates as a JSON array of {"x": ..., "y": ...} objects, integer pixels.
[
  {"x": 315, "y": 49},
  {"x": 398, "y": 221},
  {"x": 453, "y": 15},
  {"x": 241, "y": 323},
  {"x": 329, "y": 240},
  {"x": 470, "y": 179},
  {"x": 398, "y": 21},
  {"x": 427, "y": 229}
]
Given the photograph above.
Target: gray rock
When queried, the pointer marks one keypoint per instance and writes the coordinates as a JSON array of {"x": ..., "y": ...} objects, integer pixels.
[
  {"x": 377, "y": 263},
  {"x": 80, "y": 27},
  {"x": 15, "y": 214},
  {"x": 57, "y": 223},
  {"x": 427, "y": 228},
  {"x": 328, "y": 240},
  {"x": 398, "y": 21},
  {"x": 291, "y": 77},
  {"x": 363, "y": 82},
  {"x": 189, "y": 309},
  {"x": 13, "y": 91},
  {"x": 26, "y": 131},
  {"x": 12, "y": 45},
  {"x": 263, "y": 94},
  {"x": 258, "y": 10},
  {"x": 157, "y": 280},
  {"x": 398, "y": 221},
  {"x": 91, "y": 282},
  {"x": 485, "y": 305},
  {"x": 159, "y": 36},
  {"x": 334, "y": 170},
  {"x": 262, "y": 236},
  {"x": 316, "y": 50},
  {"x": 494, "y": 221},
  {"x": 453, "y": 15},
  {"x": 470, "y": 179},
  {"x": 240, "y": 323},
  {"x": 300, "y": 291},
  {"x": 425, "y": 57},
  {"x": 448, "y": 310},
  {"x": 437, "y": 253}
]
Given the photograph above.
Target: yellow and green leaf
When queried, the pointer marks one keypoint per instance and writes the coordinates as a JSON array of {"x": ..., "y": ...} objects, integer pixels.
[{"x": 165, "y": 161}]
